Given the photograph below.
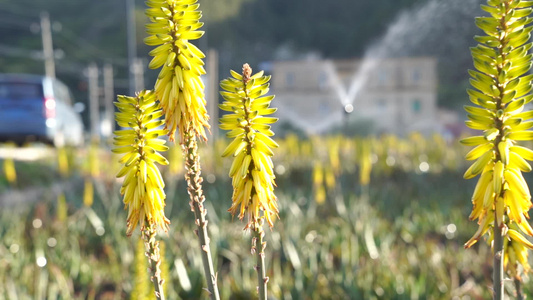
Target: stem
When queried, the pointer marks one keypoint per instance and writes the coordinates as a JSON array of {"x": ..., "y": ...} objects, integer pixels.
[
  {"x": 518, "y": 285},
  {"x": 257, "y": 243},
  {"x": 497, "y": 274},
  {"x": 194, "y": 187},
  {"x": 154, "y": 259}
]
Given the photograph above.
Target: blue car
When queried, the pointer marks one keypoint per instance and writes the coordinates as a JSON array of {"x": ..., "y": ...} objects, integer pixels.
[{"x": 38, "y": 108}]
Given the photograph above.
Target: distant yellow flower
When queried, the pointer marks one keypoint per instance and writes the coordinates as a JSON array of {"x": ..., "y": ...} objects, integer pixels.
[
  {"x": 10, "y": 171},
  {"x": 141, "y": 289},
  {"x": 318, "y": 183},
  {"x": 329, "y": 175},
  {"x": 143, "y": 186},
  {"x": 365, "y": 162},
  {"x": 252, "y": 169},
  {"x": 88, "y": 193},
  {"x": 178, "y": 87}
]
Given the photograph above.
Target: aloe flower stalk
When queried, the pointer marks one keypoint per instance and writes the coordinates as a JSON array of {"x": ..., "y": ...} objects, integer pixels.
[
  {"x": 193, "y": 176},
  {"x": 180, "y": 91},
  {"x": 252, "y": 168},
  {"x": 178, "y": 87},
  {"x": 143, "y": 185},
  {"x": 501, "y": 90},
  {"x": 149, "y": 234}
]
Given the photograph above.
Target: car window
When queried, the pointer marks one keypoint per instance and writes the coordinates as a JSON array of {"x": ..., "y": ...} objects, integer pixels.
[{"x": 20, "y": 90}]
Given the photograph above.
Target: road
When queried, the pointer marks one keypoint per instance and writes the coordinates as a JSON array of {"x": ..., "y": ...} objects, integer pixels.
[{"x": 32, "y": 153}]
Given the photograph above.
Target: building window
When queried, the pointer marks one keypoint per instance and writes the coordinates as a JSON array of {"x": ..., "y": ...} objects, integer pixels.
[
  {"x": 289, "y": 80},
  {"x": 322, "y": 81},
  {"x": 382, "y": 77},
  {"x": 381, "y": 104},
  {"x": 417, "y": 75},
  {"x": 417, "y": 106}
]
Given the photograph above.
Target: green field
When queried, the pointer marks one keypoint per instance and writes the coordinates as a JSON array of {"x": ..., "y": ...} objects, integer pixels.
[{"x": 400, "y": 236}]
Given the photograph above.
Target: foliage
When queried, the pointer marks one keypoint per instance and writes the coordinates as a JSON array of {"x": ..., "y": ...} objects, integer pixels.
[{"x": 413, "y": 220}]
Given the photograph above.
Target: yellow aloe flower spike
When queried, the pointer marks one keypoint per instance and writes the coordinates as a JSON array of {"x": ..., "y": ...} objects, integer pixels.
[
  {"x": 139, "y": 145},
  {"x": 501, "y": 89},
  {"x": 178, "y": 87},
  {"x": 249, "y": 126}
]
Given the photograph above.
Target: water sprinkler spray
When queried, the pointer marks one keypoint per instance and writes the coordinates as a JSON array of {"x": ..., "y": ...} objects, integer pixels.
[{"x": 348, "y": 108}]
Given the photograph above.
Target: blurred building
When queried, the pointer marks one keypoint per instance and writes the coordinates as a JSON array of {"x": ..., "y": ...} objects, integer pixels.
[{"x": 397, "y": 95}]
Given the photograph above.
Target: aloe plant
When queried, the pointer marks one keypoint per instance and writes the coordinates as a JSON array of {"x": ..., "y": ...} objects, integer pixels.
[
  {"x": 143, "y": 185},
  {"x": 180, "y": 91},
  {"x": 252, "y": 169},
  {"x": 501, "y": 89}
]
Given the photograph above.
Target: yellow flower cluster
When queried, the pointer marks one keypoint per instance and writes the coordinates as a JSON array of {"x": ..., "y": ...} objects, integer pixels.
[
  {"x": 502, "y": 89},
  {"x": 516, "y": 250},
  {"x": 143, "y": 186},
  {"x": 252, "y": 169},
  {"x": 318, "y": 183},
  {"x": 178, "y": 87}
]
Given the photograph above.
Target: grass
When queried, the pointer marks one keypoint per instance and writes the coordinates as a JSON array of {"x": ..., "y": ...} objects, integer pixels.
[{"x": 399, "y": 238}]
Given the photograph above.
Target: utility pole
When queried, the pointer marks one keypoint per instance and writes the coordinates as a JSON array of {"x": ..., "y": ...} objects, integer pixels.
[
  {"x": 94, "y": 105},
  {"x": 48, "y": 49},
  {"x": 109, "y": 96},
  {"x": 138, "y": 74},
  {"x": 132, "y": 44},
  {"x": 212, "y": 91}
]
